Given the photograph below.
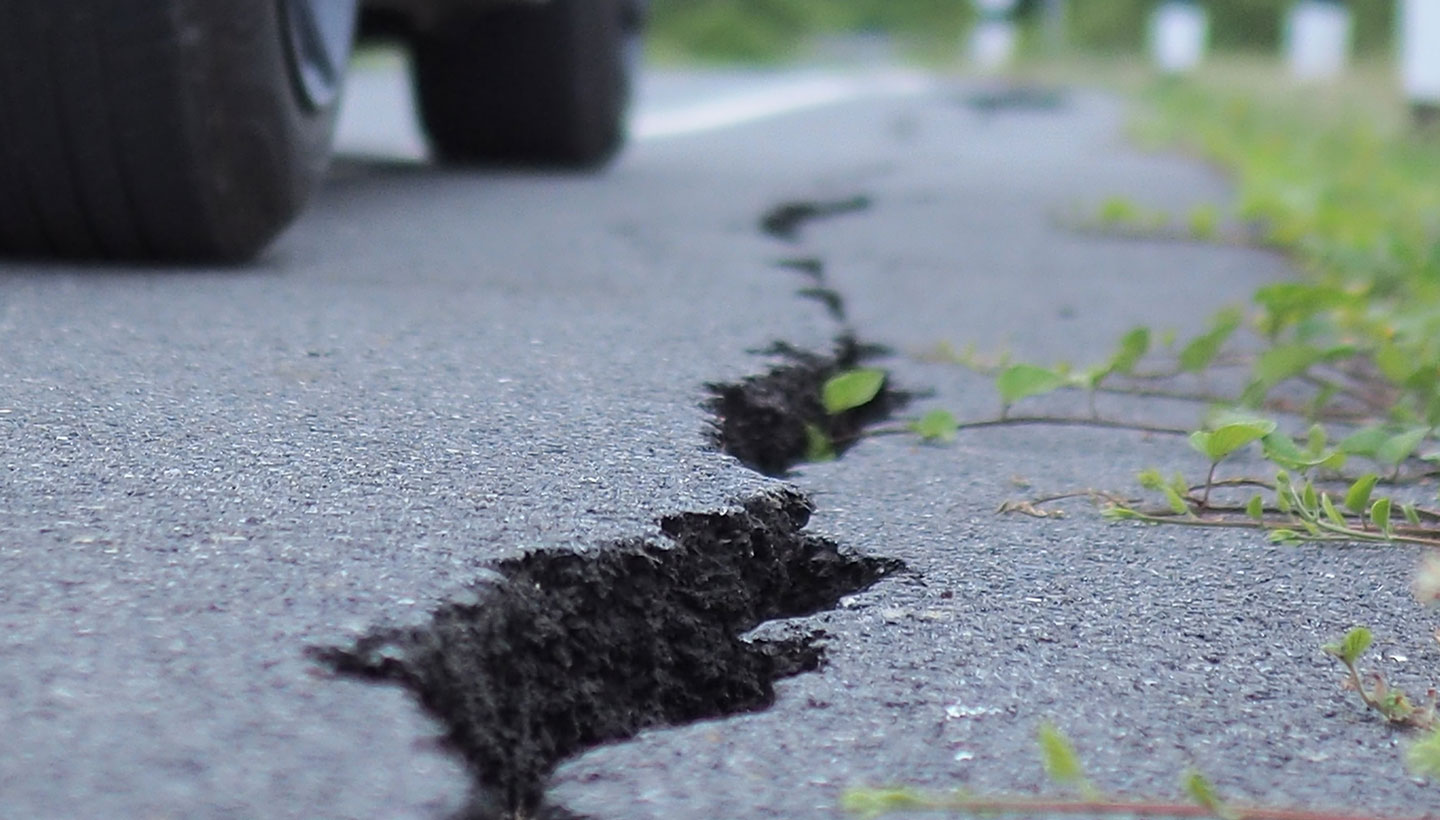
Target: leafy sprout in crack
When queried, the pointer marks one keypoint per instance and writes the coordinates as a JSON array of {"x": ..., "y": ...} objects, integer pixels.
[
  {"x": 851, "y": 389},
  {"x": 1395, "y": 705},
  {"x": 935, "y": 426}
]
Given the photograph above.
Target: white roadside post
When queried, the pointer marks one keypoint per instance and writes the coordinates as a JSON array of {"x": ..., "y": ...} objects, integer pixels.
[
  {"x": 1317, "y": 39},
  {"x": 992, "y": 41},
  {"x": 1179, "y": 34},
  {"x": 1419, "y": 22},
  {"x": 1055, "y": 15}
]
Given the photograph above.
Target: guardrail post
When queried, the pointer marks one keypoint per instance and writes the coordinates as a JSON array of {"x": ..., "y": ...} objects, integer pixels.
[
  {"x": 992, "y": 41},
  {"x": 1317, "y": 38},
  {"x": 1179, "y": 35},
  {"x": 1419, "y": 37}
]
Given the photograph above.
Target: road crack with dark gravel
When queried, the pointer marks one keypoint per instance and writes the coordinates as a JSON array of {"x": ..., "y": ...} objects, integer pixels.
[{"x": 559, "y": 650}]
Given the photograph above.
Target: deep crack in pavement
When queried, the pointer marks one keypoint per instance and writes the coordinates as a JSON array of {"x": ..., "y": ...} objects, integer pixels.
[
  {"x": 558, "y": 651},
  {"x": 763, "y": 420}
]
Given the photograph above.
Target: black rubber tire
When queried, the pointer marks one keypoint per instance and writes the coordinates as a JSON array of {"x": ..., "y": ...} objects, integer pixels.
[
  {"x": 537, "y": 84},
  {"x": 151, "y": 129}
]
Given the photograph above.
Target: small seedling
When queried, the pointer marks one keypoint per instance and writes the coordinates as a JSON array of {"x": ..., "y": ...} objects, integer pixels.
[
  {"x": 1394, "y": 704},
  {"x": 851, "y": 389},
  {"x": 936, "y": 425}
]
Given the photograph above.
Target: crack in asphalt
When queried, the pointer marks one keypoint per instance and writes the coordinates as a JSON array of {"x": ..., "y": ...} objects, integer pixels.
[
  {"x": 765, "y": 421},
  {"x": 558, "y": 651},
  {"x": 785, "y": 220}
]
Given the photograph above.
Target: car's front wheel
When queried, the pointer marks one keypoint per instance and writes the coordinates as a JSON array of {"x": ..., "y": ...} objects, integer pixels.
[
  {"x": 164, "y": 129},
  {"x": 534, "y": 83}
]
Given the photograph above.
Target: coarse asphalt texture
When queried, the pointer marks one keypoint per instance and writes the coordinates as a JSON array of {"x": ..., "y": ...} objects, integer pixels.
[{"x": 209, "y": 472}]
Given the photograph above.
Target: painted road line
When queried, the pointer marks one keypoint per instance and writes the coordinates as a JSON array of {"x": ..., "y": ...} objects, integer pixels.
[{"x": 775, "y": 100}]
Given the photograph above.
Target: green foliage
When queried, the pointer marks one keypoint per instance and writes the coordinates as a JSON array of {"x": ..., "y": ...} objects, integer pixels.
[
  {"x": 851, "y": 389},
  {"x": 875, "y": 802},
  {"x": 1357, "y": 498},
  {"x": 1133, "y": 347},
  {"x": 1423, "y": 756},
  {"x": 1062, "y": 765},
  {"x": 1225, "y": 439},
  {"x": 818, "y": 446},
  {"x": 1203, "y": 792},
  {"x": 772, "y": 29},
  {"x": 1024, "y": 380},
  {"x": 1351, "y": 647},
  {"x": 1201, "y": 351},
  {"x": 1204, "y": 222},
  {"x": 936, "y": 425},
  {"x": 1243, "y": 25},
  {"x": 1394, "y": 704}
]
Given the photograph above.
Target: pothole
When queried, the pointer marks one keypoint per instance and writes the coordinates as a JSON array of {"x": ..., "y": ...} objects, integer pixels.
[
  {"x": 763, "y": 420},
  {"x": 560, "y": 650}
]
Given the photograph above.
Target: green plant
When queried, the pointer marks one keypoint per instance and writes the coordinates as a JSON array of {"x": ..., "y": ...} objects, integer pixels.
[
  {"x": 1063, "y": 767},
  {"x": 1394, "y": 704}
]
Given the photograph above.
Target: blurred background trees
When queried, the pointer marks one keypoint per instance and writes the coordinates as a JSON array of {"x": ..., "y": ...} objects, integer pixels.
[{"x": 773, "y": 29}]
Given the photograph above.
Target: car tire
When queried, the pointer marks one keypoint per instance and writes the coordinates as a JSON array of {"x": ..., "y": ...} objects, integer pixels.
[
  {"x": 538, "y": 84},
  {"x": 157, "y": 130}
]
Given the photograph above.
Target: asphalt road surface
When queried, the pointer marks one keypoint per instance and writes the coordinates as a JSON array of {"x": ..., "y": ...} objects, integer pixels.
[{"x": 209, "y": 474}]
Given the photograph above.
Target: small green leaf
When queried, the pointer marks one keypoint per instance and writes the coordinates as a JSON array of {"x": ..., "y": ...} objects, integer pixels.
[
  {"x": 818, "y": 446},
  {"x": 851, "y": 389},
  {"x": 1395, "y": 364},
  {"x": 1133, "y": 346},
  {"x": 1058, "y": 755},
  {"x": 1284, "y": 492},
  {"x": 1256, "y": 508},
  {"x": 1115, "y": 512},
  {"x": 936, "y": 425},
  {"x": 1309, "y": 499},
  {"x": 1423, "y": 756},
  {"x": 1352, "y": 646},
  {"x": 875, "y": 802},
  {"x": 1357, "y": 498},
  {"x": 1151, "y": 479},
  {"x": 1118, "y": 210},
  {"x": 1283, "y": 450},
  {"x": 1203, "y": 792},
  {"x": 1286, "y": 303},
  {"x": 1287, "y": 361},
  {"x": 1331, "y": 513},
  {"x": 1283, "y": 536},
  {"x": 1024, "y": 380},
  {"x": 1218, "y": 443},
  {"x": 1316, "y": 439},
  {"x": 1364, "y": 442},
  {"x": 1202, "y": 350},
  {"x": 1397, "y": 448},
  {"x": 1174, "y": 499},
  {"x": 1204, "y": 222},
  {"x": 1380, "y": 513},
  {"x": 1411, "y": 514}
]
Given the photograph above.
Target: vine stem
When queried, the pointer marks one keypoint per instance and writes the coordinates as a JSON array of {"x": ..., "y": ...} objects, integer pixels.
[{"x": 1068, "y": 421}]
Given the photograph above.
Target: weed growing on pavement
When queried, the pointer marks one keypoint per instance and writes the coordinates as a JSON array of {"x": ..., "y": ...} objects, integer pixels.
[
  {"x": 1395, "y": 705},
  {"x": 1333, "y": 380},
  {"x": 1063, "y": 767},
  {"x": 1398, "y": 708}
]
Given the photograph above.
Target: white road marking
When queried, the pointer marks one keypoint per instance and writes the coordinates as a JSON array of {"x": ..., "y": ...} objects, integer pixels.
[{"x": 775, "y": 100}]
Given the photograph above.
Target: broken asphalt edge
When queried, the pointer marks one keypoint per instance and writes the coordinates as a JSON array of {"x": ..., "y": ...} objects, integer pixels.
[{"x": 557, "y": 651}]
